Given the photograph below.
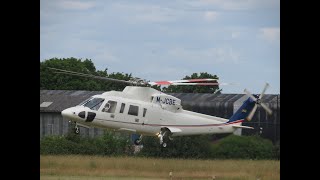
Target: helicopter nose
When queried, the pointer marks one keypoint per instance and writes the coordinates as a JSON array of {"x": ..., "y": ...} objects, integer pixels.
[{"x": 67, "y": 113}]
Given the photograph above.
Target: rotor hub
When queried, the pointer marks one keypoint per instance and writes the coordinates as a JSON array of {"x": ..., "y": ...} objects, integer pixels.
[{"x": 258, "y": 101}]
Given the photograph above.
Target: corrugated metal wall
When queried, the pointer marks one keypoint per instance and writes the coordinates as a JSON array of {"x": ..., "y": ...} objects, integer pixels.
[{"x": 53, "y": 124}]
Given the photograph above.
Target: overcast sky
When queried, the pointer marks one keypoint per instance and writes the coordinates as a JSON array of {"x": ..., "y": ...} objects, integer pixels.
[{"x": 237, "y": 40}]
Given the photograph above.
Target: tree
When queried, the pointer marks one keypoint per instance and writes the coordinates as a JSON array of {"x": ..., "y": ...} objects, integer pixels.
[
  {"x": 194, "y": 89},
  {"x": 52, "y": 81}
]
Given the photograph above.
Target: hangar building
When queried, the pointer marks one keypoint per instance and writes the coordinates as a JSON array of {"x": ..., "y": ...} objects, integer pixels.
[{"x": 52, "y": 102}]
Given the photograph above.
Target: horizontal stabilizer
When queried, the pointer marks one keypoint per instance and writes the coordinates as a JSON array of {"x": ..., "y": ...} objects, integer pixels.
[{"x": 244, "y": 127}]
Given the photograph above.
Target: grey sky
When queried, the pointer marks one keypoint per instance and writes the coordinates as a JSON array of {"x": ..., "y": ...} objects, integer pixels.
[{"x": 238, "y": 40}]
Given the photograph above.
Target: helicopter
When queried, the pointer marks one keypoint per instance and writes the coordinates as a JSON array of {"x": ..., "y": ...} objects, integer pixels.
[{"x": 140, "y": 109}]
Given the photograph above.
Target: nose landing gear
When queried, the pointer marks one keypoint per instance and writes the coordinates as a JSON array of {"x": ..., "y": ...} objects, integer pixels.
[{"x": 76, "y": 129}]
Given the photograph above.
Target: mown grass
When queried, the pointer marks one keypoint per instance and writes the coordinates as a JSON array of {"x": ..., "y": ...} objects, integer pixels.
[{"x": 95, "y": 167}]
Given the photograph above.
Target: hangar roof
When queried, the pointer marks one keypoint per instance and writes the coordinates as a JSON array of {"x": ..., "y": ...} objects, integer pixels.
[
  {"x": 63, "y": 99},
  {"x": 58, "y": 100}
]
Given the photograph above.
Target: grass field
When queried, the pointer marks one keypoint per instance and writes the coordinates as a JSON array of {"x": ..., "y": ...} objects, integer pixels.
[{"x": 123, "y": 168}]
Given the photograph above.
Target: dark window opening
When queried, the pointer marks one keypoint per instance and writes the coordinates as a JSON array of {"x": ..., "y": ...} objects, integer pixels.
[
  {"x": 144, "y": 112},
  {"x": 122, "y": 107},
  {"x": 133, "y": 110}
]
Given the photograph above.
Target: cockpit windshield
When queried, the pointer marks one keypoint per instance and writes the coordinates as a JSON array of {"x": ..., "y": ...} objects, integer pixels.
[
  {"x": 94, "y": 103},
  {"x": 85, "y": 101}
]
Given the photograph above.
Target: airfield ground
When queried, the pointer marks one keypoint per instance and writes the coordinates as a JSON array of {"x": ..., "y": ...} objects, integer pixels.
[{"x": 74, "y": 167}]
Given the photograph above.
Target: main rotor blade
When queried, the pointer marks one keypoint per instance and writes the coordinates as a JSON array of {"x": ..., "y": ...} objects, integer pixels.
[
  {"x": 194, "y": 80},
  {"x": 195, "y": 84},
  {"x": 203, "y": 84},
  {"x": 181, "y": 81},
  {"x": 264, "y": 90},
  {"x": 62, "y": 71},
  {"x": 269, "y": 111},
  {"x": 252, "y": 112},
  {"x": 228, "y": 84},
  {"x": 250, "y": 95}
]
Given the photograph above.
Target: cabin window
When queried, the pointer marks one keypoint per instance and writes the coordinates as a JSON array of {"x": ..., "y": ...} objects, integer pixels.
[
  {"x": 144, "y": 112},
  {"x": 122, "y": 107},
  {"x": 133, "y": 110},
  {"x": 94, "y": 104},
  {"x": 110, "y": 107}
]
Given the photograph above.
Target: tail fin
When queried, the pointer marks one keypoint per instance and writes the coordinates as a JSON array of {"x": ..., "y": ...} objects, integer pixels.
[{"x": 243, "y": 111}]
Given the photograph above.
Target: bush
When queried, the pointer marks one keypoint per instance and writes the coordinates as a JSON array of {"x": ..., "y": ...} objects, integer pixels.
[
  {"x": 108, "y": 144},
  {"x": 180, "y": 147},
  {"x": 57, "y": 145},
  {"x": 244, "y": 147},
  {"x": 277, "y": 150}
]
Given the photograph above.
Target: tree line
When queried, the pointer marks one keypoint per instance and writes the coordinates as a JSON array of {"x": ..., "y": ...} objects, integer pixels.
[{"x": 57, "y": 81}]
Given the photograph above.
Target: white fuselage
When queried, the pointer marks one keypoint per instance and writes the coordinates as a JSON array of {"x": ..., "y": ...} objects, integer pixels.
[{"x": 146, "y": 113}]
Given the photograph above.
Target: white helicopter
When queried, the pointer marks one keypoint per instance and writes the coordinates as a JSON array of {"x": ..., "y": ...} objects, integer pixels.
[{"x": 149, "y": 112}]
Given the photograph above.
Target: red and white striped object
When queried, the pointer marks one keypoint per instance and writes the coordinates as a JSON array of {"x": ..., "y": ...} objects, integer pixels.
[{"x": 204, "y": 82}]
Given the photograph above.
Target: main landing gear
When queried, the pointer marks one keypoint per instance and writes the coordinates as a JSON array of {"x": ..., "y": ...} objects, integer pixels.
[
  {"x": 138, "y": 141},
  {"x": 165, "y": 136}
]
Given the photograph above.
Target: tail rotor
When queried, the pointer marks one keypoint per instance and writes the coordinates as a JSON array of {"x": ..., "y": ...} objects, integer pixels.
[{"x": 258, "y": 102}]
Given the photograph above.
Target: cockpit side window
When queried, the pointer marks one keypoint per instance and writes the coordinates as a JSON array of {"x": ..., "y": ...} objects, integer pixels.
[
  {"x": 110, "y": 107},
  {"x": 94, "y": 104},
  {"x": 133, "y": 110}
]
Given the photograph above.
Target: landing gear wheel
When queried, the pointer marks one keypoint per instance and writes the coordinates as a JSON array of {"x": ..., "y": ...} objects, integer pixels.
[
  {"x": 137, "y": 142},
  {"x": 76, "y": 130},
  {"x": 164, "y": 136},
  {"x": 164, "y": 144}
]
